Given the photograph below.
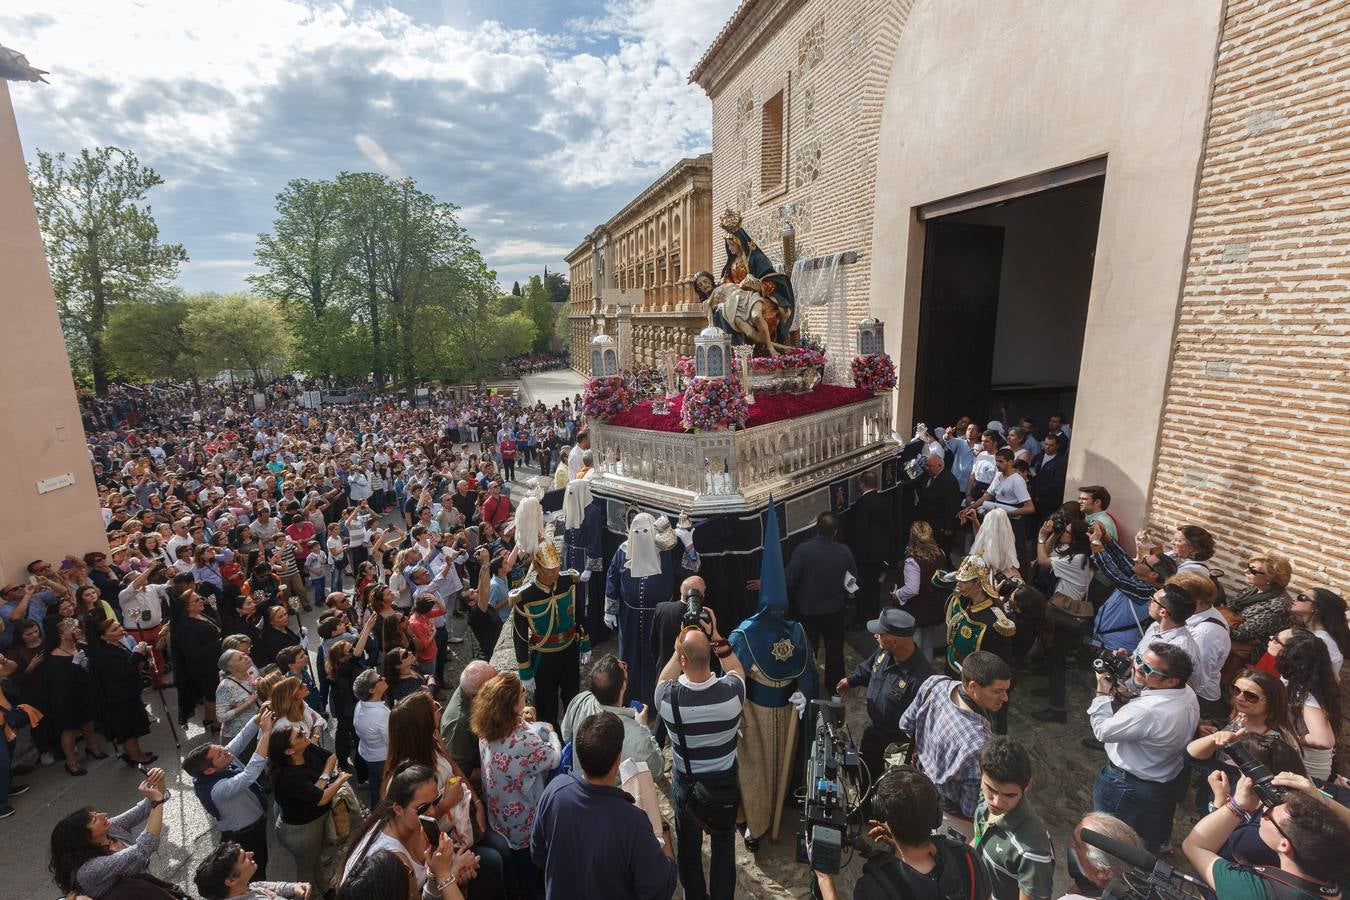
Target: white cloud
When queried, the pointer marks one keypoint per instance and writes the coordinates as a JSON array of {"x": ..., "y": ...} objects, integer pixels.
[
  {"x": 530, "y": 130},
  {"x": 371, "y": 150}
]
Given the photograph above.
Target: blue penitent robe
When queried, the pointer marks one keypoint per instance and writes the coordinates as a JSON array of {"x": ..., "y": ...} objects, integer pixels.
[
  {"x": 583, "y": 550},
  {"x": 633, "y": 601}
]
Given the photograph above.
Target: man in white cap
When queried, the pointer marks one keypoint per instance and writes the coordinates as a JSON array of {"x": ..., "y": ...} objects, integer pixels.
[{"x": 641, "y": 575}]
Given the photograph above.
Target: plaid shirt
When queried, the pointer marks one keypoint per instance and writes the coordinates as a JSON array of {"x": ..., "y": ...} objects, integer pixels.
[{"x": 949, "y": 740}]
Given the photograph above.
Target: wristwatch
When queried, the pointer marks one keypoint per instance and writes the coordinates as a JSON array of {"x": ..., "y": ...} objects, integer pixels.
[{"x": 162, "y": 800}]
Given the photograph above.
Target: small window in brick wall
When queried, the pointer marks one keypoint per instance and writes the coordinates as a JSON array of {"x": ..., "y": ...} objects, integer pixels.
[{"x": 773, "y": 134}]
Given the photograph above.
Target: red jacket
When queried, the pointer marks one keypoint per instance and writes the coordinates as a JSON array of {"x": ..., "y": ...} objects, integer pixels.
[{"x": 497, "y": 509}]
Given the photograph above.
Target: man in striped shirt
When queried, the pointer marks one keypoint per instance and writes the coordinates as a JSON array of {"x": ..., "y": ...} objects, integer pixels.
[{"x": 703, "y": 749}]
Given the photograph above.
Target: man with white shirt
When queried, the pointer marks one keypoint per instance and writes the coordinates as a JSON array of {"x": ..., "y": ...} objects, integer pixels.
[
  {"x": 180, "y": 538},
  {"x": 1169, "y": 608},
  {"x": 574, "y": 459},
  {"x": 1145, "y": 742},
  {"x": 142, "y": 603},
  {"x": 1210, "y": 630}
]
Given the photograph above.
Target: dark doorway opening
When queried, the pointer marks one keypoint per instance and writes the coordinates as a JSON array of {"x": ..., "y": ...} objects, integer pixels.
[{"x": 1004, "y": 306}]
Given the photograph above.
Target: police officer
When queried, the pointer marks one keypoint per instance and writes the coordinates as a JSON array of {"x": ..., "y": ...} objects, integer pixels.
[{"x": 892, "y": 676}]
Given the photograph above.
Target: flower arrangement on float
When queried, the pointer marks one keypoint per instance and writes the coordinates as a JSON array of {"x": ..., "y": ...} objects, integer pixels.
[
  {"x": 606, "y": 396},
  {"x": 799, "y": 357},
  {"x": 713, "y": 404},
  {"x": 874, "y": 372}
]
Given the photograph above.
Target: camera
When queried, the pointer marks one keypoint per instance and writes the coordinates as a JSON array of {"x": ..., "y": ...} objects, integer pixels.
[
  {"x": 1151, "y": 879},
  {"x": 1271, "y": 795},
  {"x": 1059, "y": 522},
  {"x": 1114, "y": 666},
  {"x": 833, "y": 774},
  {"x": 694, "y": 613}
]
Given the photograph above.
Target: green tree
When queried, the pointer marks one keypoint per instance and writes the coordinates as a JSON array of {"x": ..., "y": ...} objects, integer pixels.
[
  {"x": 304, "y": 260},
  {"x": 240, "y": 332},
  {"x": 540, "y": 310},
  {"x": 149, "y": 339},
  {"x": 361, "y": 196},
  {"x": 515, "y": 289},
  {"x": 102, "y": 242},
  {"x": 556, "y": 285}
]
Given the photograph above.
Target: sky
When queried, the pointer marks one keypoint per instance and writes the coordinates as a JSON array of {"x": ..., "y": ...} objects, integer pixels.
[{"x": 540, "y": 119}]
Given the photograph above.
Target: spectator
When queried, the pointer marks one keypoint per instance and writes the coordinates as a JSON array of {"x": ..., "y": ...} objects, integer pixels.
[
  {"x": 230, "y": 793},
  {"x": 704, "y": 753},
  {"x": 1120, "y": 621},
  {"x": 521, "y": 753},
  {"x": 1314, "y": 697},
  {"x": 1323, "y": 612},
  {"x": 1170, "y": 609},
  {"x": 305, "y": 779},
  {"x": 236, "y": 694},
  {"x": 1008, "y": 833},
  {"x": 274, "y": 637},
  {"x": 92, "y": 851},
  {"x": 1062, "y": 554},
  {"x": 1091, "y": 868},
  {"x": 400, "y": 672},
  {"x": 1260, "y": 707},
  {"x": 608, "y": 687},
  {"x": 117, "y": 674},
  {"x": 65, "y": 694},
  {"x": 1210, "y": 630},
  {"x": 370, "y": 721},
  {"x": 1191, "y": 547},
  {"x": 816, "y": 576},
  {"x": 588, "y": 838},
  {"x": 1144, "y": 741},
  {"x": 1263, "y": 605},
  {"x": 195, "y": 639},
  {"x": 456, "y": 728},
  {"x": 915, "y": 591},
  {"x": 937, "y": 501},
  {"x": 228, "y": 874},
  {"x": 574, "y": 457},
  {"x": 950, "y": 722}
]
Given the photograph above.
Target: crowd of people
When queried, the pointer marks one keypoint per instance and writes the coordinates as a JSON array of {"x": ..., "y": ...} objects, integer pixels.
[
  {"x": 324, "y": 590},
  {"x": 530, "y": 363}
]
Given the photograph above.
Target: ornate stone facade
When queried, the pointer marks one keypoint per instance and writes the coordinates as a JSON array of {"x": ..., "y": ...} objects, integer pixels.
[{"x": 650, "y": 251}]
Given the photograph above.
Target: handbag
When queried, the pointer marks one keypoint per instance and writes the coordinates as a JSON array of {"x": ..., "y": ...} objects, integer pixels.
[
  {"x": 714, "y": 800},
  {"x": 1068, "y": 613}
]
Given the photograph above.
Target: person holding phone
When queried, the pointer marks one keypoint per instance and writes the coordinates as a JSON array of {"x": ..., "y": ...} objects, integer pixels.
[{"x": 306, "y": 778}]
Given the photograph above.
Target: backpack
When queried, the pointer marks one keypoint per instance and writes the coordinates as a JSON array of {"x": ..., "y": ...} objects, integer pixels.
[{"x": 962, "y": 875}]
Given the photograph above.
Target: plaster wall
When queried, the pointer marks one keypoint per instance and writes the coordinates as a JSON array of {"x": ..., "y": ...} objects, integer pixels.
[
  {"x": 979, "y": 95},
  {"x": 39, "y": 416}
]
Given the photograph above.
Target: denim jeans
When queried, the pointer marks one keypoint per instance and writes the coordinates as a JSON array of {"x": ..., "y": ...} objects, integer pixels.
[
  {"x": 721, "y": 883},
  {"x": 1146, "y": 806},
  {"x": 318, "y": 585},
  {"x": 522, "y": 878},
  {"x": 374, "y": 775},
  {"x": 493, "y": 852}
]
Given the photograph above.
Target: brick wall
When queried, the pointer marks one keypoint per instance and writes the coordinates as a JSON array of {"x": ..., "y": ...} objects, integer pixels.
[
  {"x": 833, "y": 58},
  {"x": 1256, "y": 425}
]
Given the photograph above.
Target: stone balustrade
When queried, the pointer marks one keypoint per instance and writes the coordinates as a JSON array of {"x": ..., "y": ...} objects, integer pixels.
[{"x": 731, "y": 471}]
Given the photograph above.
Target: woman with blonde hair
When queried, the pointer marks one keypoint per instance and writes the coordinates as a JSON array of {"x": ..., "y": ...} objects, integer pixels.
[
  {"x": 1263, "y": 605},
  {"x": 915, "y": 592},
  {"x": 522, "y": 753},
  {"x": 288, "y": 702}
]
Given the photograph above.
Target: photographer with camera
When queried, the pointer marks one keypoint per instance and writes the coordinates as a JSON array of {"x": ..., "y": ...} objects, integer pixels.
[
  {"x": 1145, "y": 741},
  {"x": 702, "y": 712},
  {"x": 1307, "y": 829},
  {"x": 916, "y": 862}
]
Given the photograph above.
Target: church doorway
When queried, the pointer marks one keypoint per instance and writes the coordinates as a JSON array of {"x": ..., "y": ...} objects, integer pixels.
[{"x": 1007, "y": 273}]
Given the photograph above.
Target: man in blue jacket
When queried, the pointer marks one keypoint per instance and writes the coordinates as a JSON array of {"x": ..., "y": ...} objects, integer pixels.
[{"x": 589, "y": 837}]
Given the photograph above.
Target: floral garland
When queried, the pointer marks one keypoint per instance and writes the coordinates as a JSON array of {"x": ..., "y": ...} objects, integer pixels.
[
  {"x": 875, "y": 372},
  {"x": 606, "y": 396},
  {"x": 713, "y": 404},
  {"x": 802, "y": 356}
]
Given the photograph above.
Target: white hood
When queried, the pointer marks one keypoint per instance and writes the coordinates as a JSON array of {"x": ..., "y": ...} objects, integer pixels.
[
  {"x": 575, "y": 501},
  {"x": 643, "y": 558}
]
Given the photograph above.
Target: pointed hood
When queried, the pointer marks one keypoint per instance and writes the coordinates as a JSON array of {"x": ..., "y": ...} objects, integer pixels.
[{"x": 773, "y": 598}]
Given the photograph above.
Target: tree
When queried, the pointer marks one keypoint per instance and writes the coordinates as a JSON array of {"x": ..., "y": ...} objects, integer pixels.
[
  {"x": 305, "y": 258},
  {"x": 515, "y": 289},
  {"x": 360, "y": 194},
  {"x": 102, "y": 242},
  {"x": 555, "y": 283},
  {"x": 146, "y": 340},
  {"x": 480, "y": 326},
  {"x": 240, "y": 332},
  {"x": 540, "y": 310}
]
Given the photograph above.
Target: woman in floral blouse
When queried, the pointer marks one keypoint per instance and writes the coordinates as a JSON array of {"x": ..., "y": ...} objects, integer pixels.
[{"x": 517, "y": 755}]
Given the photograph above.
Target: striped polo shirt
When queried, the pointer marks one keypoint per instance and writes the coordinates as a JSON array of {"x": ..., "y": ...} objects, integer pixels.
[{"x": 711, "y": 712}]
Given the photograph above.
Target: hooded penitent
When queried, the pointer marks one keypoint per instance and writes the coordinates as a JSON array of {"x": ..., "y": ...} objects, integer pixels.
[
  {"x": 643, "y": 558},
  {"x": 575, "y": 500}
]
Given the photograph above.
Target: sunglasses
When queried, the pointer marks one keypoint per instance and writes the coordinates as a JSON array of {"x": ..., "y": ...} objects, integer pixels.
[
  {"x": 1269, "y": 814},
  {"x": 1250, "y": 696},
  {"x": 1252, "y": 570},
  {"x": 423, "y": 807},
  {"x": 1146, "y": 669},
  {"x": 1303, "y": 598}
]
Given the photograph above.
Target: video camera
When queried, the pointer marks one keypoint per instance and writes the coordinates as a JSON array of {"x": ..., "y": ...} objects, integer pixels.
[
  {"x": 832, "y": 779},
  {"x": 1152, "y": 878},
  {"x": 694, "y": 613}
]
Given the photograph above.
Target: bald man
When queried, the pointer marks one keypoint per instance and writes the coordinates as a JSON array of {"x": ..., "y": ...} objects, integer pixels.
[
  {"x": 703, "y": 739},
  {"x": 459, "y": 739}
]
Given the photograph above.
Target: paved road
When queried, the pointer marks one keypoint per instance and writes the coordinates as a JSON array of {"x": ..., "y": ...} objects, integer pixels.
[{"x": 551, "y": 387}]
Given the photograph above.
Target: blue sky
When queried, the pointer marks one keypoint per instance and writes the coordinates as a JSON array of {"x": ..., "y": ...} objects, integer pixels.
[{"x": 538, "y": 119}]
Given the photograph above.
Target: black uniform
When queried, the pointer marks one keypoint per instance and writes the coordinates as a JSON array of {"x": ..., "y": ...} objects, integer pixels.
[{"x": 891, "y": 687}]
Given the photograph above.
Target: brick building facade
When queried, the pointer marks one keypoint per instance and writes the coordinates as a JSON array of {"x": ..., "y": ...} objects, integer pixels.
[
  {"x": 1257, "y": 416},
  {"x": 646, "y": 257},
  {"x": 1212, "y": 387}
]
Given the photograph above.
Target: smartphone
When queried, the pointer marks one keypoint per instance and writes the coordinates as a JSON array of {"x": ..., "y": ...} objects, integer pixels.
[
  {"x": 430, "y": 829},
  {"x": 636, "y": 704}
]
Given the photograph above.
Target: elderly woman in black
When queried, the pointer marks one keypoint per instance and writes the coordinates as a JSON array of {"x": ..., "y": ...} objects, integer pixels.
[
  {"x": 65, "y": 694},
  {"x": 91, "y": 852},
  {"x": 195, "y": 639},
  {"x": 274, "y": 636},
  {"x": 117, "y": 674}
]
